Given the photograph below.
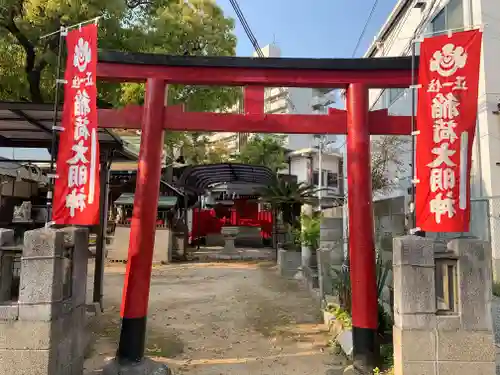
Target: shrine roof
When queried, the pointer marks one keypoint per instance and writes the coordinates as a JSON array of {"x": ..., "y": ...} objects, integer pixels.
[
  {"x": 200, "y": 177},
  {"x": 29, "y": 125},
  {"x": 351, "y": 64}
]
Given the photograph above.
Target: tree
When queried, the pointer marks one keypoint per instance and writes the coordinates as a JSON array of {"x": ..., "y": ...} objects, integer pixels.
[
  {"x": 288, "y": 197},
  {"x": 197, "y": 27},
  {"x": 218, "y": 152},
  {"x": 195, "y": 147},
  {"x": 388, "y": 158},
  {"x": 265, "y": 150}
]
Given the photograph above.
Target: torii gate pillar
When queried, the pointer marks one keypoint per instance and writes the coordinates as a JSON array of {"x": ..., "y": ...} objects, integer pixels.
[
  {"x": 134, "y": 309},
  {"x": 361, "y": 236}
]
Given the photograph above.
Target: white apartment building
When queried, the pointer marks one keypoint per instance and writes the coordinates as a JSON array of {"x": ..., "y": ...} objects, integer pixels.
[
  {"x": 284, "y": 100},
  {"x": 295, "y": 100},
  {"x": 419, "y": 18}
]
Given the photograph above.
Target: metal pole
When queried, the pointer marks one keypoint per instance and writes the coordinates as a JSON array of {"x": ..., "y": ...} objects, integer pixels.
[
  {"x": 413, "y": 127},
  {"x": 413, "y": 214},
  {"x": 100, "y": 253},
  {"x": 52, "y": 175},
  {"x": 320, "y": 173}
]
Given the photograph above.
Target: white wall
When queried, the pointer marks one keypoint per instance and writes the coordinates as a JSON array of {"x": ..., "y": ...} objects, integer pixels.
[{"x": 299, "y": 167}]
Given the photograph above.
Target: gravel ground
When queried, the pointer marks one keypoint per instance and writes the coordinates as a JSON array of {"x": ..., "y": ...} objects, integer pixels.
[{"x": 220, "y": 319}]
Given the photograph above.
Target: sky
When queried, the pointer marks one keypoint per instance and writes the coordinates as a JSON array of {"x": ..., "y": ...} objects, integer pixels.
[{"x": 311, "y": 28}]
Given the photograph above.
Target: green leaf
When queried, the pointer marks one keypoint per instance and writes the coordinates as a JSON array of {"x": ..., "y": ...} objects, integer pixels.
[
  {"x": 157, "y": 26},
  {"x": 267, "y": 150}
]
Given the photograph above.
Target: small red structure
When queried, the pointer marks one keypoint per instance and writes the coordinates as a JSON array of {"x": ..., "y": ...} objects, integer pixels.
[
  {"x": 355, "y": 75},
  {"x": 205, "y": 222}
]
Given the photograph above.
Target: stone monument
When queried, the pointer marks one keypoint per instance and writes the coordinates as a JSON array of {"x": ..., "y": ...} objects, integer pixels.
[{"x": 229, "y": 233}]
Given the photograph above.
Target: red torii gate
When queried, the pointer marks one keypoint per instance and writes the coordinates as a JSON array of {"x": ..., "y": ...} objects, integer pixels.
[
  {"x": 254, "y": 119},
  {"x": 355, "y": 75}
]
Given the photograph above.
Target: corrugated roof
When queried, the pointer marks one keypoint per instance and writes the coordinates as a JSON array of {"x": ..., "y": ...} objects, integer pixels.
[{"x": 200, "y": 177}]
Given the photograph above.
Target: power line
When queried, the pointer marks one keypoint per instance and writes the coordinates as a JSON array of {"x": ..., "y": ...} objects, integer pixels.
[
  {"x": 363, "y": 32},
  {"x": 358, "y": 43},
  {"x": 253, "y": 40}
]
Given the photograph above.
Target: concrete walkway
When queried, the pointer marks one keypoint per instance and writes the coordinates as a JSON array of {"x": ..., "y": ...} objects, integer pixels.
[{"x": 221, "y": 318}]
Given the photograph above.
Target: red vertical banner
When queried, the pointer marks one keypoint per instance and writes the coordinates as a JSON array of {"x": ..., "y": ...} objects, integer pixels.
[
  {"x": 76, "y": 191},
  {"x": 446, "y": 121}
]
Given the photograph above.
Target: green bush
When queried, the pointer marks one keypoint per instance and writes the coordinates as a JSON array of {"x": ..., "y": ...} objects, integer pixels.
[
  {"x": 310, "y": 231},
  {"x": 387, "y": 355},
  {"x": 344, "y": 317},
  {"x": 496, "y": 288},
  {"x": 340, "y": 314},
  {"x": 342, "y": 285},
  {"x": 388, "y": 372}
]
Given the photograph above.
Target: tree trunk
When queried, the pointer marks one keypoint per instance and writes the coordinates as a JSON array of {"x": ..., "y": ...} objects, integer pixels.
[{"x": 34, "y": 78}]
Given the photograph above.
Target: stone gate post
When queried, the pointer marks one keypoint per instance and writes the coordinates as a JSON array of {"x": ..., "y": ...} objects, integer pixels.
[
  {"x": 43, "y": 333},
  {"x": 330, "y": 254},
  {"x": 442, "y": 307}
]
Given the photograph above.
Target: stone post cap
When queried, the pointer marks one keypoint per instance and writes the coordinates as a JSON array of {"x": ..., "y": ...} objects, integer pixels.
[
  {"x": 414, "y": 250},
  {"x": 43, "y": 242},
  {"x": 467, "y": 245}
]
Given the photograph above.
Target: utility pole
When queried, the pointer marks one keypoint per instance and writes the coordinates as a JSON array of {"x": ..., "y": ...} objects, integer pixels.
[
  {"x": 320, "y": 167},
  {"x": 322, "y": 142}
]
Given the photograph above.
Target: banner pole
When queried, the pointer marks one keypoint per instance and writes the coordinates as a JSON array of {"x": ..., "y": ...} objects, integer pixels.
[
  {"x": 414, "y": 179},
  {"x": 65, "y": 29},
  {"x": 413, "y": 128},
  {"x": 53, "y": 174}
]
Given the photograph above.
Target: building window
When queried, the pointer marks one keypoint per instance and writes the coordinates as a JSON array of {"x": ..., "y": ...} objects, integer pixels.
[
  {"x": 315, "y": 178},
  {"x": 330, "y": 179},
  {"x": 451, "y": 17},
  {"x": 394, "y": 94}
]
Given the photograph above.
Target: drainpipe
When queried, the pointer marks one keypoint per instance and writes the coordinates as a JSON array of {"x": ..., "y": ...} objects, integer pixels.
[
  {"x": 311, "y": 169},
  {"x": 320, "y": 168}
]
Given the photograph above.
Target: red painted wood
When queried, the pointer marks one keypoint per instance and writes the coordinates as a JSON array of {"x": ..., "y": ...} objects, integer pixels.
[
  {"x": 129, "y": 117},
  {"x": 143, "y": 226},
  {"x": 361, "y": 245},
  {"x": 176, "y": 119},
  {"x": 381, "y": 123},
  {"x": 253, "y": 100},
  {"x": 259, "y": 77}
]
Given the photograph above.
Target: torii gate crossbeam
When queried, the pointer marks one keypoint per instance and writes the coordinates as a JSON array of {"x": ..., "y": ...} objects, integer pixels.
[{"x": 355, "y": 75}]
